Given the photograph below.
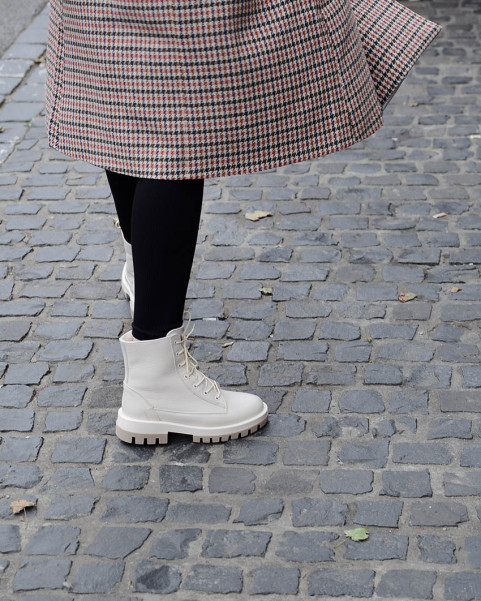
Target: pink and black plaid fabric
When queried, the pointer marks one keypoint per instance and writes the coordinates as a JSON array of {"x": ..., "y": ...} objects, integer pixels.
[{"x": 204, "y": 88}]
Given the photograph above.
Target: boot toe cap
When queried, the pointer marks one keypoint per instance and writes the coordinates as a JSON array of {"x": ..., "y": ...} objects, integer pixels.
[{"x": 244, "y": 406}]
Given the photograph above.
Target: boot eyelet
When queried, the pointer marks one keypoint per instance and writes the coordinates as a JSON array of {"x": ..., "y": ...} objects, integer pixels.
[
  {"x": 217, "y": 398},
  {"x": 205, "y": 393},
  {"x": 185, "y": 376}
]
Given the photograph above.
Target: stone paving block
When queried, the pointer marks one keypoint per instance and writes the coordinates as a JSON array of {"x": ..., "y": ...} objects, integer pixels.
[
  {"x": 462, "y": 586},
  {"x": 283, "y": 425},
  {"x": 16, "y": 420},
  {"x": 280, "y": 374},
  {"x": 68, "y": 507},
  {"x": 250, "y": 452},
  {"x": 338, "y": 481},
  {"x": 312, "y": 401},
  {"x": 111, "y": 328},
  {"x": 70, "y": 478},
  {"x": 54, "y": 540},
  {"x": 16, "y": 396},
  {"x": 235, "y": 543},
  {"x": 415, "y": 351},
  {"x": 36, "y": 573},
  {"x": 260, "y": 511},
  {"x": 72, "y": 372},
  {"x": 174, "y": 544},
  {"x": 213, "y": 579},
  {"x": 406, "y": 484},
  {"x": 339, "y": 582},
  {"x": 79, "y": 450},
  {"x": 422, "y": 453},
  {"x": 309, "y": 452},
  {"x": 98, "y": 577},
  {"x": 126, "y": 477},
  {"x": 134, "y": 508},
  {"x": 378, "y": 513},
  {"x": 154, "y": 577},
  {"x": 20, "y": 449},
  {"x": 306, "y": 547},
  {"x": 291, "y": 481},
  {"x": 248, "y": 351},
  {"x": 417, "y": 584},
  {"x": 318, "y": 512},
  {"x": 437, "y": 513},
  {"x": 19, "y": 476},
  {"x": 196, "y": 513},
  {"x": 61, "y": 421},
  {"x": 231, "y": 480},
  {"x": 380, "y": 547},
  {"x": 445, "y": 427},
  {"x": 66, "y": 351},
  {"x": 271, "y": 580},
  {"x": 21, "y": 308},
  {"x": 61, "y": 396},
  {"x": 339, "y": 331},
  {"x": 436, "y": 550},
  {"x": 116, "y": 542},
  {"x": 369, "y": 454},
  {"x": 383, "y": 374},
  {"x": 471, "y": 456},
  {"x": 462, "y": 484},
  {"x": 9, "y": 538},
  {"x": 54, "y": 254},
  {"x": 361, "y": 401},
  {"x": 176, "y": 478},
  {"x": 430, "y": 377}
]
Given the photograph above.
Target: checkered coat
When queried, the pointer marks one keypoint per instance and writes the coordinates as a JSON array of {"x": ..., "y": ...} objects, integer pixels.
[{"x": 177, "y": 89}]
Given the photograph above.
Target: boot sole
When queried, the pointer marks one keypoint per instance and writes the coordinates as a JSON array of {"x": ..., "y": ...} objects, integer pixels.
[{"x": 131, "y": 437}]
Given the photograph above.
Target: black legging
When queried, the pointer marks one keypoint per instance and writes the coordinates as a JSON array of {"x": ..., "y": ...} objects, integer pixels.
[{"x": 160, "y": 218}]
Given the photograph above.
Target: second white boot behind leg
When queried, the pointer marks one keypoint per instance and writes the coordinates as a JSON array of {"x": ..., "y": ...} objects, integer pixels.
[
  {"x": 165, "y": 392},
  {"x": 127, "y": 279}
]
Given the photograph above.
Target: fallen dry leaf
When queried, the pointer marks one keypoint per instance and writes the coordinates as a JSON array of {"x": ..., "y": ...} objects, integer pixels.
[
  {"x": 226, "y": 344},
  {"x": 455, "y": 289},
  {"x": 405, "y": 297},
  {"x": 256, "y": 215},
  {"x": 439, "y": 215},
  {"x": 265, "y": 290},
  {"x": 20, "y": 504}
]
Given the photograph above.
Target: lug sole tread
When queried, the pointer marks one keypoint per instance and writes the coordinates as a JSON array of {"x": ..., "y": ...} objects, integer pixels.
[{"x": 158, "y": 439}]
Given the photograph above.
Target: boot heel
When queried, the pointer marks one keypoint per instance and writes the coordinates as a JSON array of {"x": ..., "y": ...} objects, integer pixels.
[{"x": 136, "y": 438}]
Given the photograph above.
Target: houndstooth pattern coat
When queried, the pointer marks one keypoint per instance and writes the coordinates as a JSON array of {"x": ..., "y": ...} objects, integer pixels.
[{"x": 176, "y": 89}]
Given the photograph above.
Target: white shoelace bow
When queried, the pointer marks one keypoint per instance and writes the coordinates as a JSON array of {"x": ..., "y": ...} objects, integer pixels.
[{"x": 192, "y": 364}]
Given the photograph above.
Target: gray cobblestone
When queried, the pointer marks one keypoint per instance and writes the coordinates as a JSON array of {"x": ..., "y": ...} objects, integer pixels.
[
  {"x": 334, "y": 582},
  {"x": 417, "y": 584},
  {"x": 317, "y": 512},
  {"x": 436, "y": 550},
  {"x": 260, "y": 511},
  {"x": 94, "y": 577},
  {"x": 214, "y": 579}
]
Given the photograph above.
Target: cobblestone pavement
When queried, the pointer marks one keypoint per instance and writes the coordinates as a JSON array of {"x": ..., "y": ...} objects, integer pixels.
[{"x": 375, "y": 402}]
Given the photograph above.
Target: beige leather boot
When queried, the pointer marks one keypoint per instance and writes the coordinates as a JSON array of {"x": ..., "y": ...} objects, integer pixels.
[
  {"x": 127, "y": 279},
  {"x": 165, "y": 392}
]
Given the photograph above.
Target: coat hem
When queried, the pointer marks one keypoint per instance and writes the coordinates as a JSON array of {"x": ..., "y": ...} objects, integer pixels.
[{"x": 213, "y": 172}]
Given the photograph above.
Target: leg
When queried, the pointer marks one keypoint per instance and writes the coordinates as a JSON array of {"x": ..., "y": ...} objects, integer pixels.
[
  {"x": 123, "y": 188},
  {"x": 164, "y": 228},
  {"x": 164, "y": 391}
]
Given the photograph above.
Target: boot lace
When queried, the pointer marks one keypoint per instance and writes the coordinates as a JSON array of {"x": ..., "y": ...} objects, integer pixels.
[{"x": 191, "y": 364}]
